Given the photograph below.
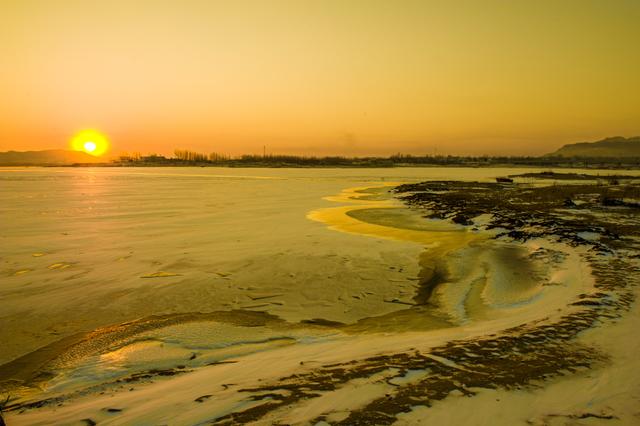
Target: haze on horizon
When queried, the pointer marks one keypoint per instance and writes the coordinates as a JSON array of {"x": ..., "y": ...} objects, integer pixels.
[{"x": 320, "y": 78}]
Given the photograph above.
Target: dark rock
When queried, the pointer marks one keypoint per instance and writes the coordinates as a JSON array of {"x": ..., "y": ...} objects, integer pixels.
[
  {"x": 504, "y": 180},
  {"x": 612, "y": 202},
  {"x": 202, "y": 398},
  {"x": 461, "y": 220}
]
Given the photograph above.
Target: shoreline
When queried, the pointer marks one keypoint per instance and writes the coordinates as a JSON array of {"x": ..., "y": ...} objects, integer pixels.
[{"x": 563, "y": 166}]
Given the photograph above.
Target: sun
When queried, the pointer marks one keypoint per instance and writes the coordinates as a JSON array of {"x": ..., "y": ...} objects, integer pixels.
[
  {"x": 90, "y": 146},
  {"x": 90, "y": 141}
]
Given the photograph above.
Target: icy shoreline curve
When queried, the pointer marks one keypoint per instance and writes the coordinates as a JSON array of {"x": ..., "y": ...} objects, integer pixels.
[{"x": 477, "y": 335}]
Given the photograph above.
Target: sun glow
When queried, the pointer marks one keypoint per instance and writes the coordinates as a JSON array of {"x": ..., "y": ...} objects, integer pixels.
[
  {"x": 90, "y": 146},
  {"x": 90, "y": 141}
]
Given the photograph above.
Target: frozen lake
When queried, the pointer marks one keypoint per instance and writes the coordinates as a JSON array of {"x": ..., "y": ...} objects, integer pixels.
[
  {"x": 111, "y": 273},
  {"x": 76, "y": 242}
]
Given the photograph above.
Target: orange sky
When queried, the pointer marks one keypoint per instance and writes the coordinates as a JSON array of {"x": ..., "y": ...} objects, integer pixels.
[{"x": 320, "y": 77}]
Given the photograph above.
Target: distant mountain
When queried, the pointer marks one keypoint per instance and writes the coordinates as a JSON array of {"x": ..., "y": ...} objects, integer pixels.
[
  {"x": 52, "y": 157},
  {"x": 610, "y": 147}
]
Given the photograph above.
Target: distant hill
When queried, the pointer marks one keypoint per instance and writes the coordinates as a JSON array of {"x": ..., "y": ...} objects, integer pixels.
[
  {"x": 52, "y": 157},
  {"x": 610, "y": 147}
]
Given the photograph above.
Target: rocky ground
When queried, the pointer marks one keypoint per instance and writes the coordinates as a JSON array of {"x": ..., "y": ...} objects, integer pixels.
[{"x": 603, "y": 217}]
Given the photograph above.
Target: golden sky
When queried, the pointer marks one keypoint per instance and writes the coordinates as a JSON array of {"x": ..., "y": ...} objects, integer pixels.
[{"x": 341, "y": 77}]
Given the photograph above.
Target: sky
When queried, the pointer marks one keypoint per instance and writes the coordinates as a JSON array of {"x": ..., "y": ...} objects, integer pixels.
[{"x": 344, "y": 77}]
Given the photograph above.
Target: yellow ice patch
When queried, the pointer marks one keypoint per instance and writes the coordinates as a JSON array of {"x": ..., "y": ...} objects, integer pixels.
[
  {"x": 160, "y": 274},
  {"x": 59, "y": 266}
]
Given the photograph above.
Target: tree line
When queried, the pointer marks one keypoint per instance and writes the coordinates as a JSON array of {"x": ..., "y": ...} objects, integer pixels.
[{"x": 188, "y": 157}]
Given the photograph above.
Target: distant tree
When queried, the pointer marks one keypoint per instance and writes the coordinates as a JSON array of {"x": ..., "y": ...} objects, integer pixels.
[
  {"x": 216, "y": 158},
  {"x": 190, "y": 156}
]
